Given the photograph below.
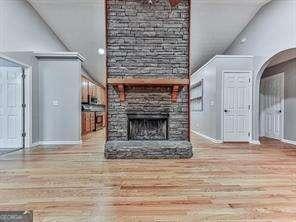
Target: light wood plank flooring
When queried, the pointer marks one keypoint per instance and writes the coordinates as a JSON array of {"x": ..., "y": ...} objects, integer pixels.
[{"x": 223, "y": 182}]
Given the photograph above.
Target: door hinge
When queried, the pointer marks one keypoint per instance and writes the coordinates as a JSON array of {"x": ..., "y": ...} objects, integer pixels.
[
  {"x": 24, "y": 105},
  {"x": 249, "y": 107},
  {"x": 23, "y": 76},
  {"x": 24, "y": 134},
  {"x": 249, "y": 134},
  {"x": 249, "y": 80}
]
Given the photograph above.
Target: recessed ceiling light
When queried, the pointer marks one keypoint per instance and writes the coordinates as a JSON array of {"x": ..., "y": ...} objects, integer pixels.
[
  {"x": 243, "y": 40},
  {"x": 101, "y": 51}
]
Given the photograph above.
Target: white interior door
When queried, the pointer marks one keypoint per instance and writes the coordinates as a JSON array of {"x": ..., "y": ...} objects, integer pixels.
[
  {"x": 237, "y": 100},
  {"x": 272, "y": 116},
  {"x": 10, "y": 107}
]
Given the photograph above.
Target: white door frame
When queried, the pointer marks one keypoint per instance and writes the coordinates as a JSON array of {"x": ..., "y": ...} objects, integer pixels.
[
  {"x": 282, "y": 75},
  {"x": 251, "y": 102},
  {"x": 27, "y": 69}
]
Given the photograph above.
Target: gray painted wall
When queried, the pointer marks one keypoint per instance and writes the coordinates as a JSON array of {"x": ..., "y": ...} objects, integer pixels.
[
  {"x": 22, "y": 29},
  {"x": 60, "y": 81},
  {"x": 21, "y": 35},
  {"x": 271, "y": 31},
  {"x": 205, "y": 122},
  {"x": 209, "y": 121},
  {"x": 289, "y": 68}
]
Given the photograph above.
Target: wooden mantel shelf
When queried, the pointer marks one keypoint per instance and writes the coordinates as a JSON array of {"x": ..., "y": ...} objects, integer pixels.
[
  {"x": 120, "y": 83},
  {"x": 148, "y": 82}
]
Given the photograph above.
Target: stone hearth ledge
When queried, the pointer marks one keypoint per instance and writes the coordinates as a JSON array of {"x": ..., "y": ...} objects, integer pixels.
[{"x": 148, "y": 149}]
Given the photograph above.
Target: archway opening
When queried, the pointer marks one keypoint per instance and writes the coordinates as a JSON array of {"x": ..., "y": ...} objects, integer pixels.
[{"x": 277, "y": 98}]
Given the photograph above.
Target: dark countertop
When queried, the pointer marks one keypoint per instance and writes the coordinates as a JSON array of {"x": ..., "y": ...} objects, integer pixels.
[{"x": 92, "y": 108}]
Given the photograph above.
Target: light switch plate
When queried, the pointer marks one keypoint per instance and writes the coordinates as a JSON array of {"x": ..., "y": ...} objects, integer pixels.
[{"x": 55, "y": 103}]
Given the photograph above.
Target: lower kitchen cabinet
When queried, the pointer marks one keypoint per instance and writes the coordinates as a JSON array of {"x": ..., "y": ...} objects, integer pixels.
[
  {"x": 86, "y": 122},
  {"x": 92, "y": 121}
]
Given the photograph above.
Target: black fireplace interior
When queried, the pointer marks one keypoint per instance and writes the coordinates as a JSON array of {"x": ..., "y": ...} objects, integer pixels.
[{"x": 148, "y": 126}]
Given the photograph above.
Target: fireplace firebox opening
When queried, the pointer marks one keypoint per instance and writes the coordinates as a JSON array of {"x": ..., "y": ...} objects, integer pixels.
[{"x": 148, "y": 126}]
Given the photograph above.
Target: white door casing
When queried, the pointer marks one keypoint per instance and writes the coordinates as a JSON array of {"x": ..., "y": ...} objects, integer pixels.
[
  {"x": 10, "y": 107},
  {"x": 272, "y": 113},
  {"x": 236, "y": 104}
]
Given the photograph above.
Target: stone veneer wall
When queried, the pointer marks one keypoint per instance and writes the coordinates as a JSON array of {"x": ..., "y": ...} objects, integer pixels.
[
  {"x": 145, "y": 100},
  {"x": 147, "y": 42}
]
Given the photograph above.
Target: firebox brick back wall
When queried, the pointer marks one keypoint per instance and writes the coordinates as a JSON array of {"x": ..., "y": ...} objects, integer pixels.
[{"x": 147, "y": 41}]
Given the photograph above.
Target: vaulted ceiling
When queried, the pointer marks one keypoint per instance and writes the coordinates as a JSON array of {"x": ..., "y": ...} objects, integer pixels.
[{"x": 80, "y": 26}]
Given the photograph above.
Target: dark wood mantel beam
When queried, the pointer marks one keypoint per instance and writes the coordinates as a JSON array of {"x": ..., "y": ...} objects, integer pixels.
[{"x": 120, "y": 83}]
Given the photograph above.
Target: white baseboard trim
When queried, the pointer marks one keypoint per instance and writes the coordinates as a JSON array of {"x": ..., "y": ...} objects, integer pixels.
[
  {"x": 207, "y": 137},
  {"x": 35, "y": 144},
  {"x": 255, "y": 142},
  {"x": 60, "y": 142},
  {"x": 288, "y": 141}
]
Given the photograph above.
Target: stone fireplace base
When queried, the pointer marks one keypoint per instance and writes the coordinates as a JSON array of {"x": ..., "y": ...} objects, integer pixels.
[{"x": 148, "y": 149}]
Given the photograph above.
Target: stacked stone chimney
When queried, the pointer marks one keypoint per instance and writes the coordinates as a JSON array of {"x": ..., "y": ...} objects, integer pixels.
[{"x": 148, "y": 77}]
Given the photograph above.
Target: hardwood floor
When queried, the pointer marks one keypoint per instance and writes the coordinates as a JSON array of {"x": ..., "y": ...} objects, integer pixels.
[{"x": 223, "y": 182}]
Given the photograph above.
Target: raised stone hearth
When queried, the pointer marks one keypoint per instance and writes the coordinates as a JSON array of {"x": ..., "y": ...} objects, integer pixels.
[
  {"x": 148, "y": 150},
  {"x": 147, "y": 79}
]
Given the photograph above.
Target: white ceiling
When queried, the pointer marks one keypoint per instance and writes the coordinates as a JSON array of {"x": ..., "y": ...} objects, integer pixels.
[{"x": 80, "y": 25}]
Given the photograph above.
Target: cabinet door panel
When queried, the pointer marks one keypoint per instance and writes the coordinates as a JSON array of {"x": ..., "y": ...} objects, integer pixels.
[{"x": 84, "y": 90}]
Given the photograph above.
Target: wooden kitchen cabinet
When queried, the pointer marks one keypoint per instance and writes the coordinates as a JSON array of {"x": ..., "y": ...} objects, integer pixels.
[
  {"x": 84, "y": 90},
  {"x": 92, "y": 89},
  {"x": 86, "y": 122},
  {"x": 92, "y": 98},
  {"x": 101, "y": 95},
  {"x": 92, "y": 121}
]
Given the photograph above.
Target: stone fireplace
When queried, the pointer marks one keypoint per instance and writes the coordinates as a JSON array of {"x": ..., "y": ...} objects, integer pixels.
[{"x": 147, "y": 79}]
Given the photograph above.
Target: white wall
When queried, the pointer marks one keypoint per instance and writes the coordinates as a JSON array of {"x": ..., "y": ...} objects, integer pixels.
[
  {"x": 22, "y": 29},
  {"x": 209, "y": 121},
  {"x": 271, "y": 31},
  {"x": 59, "y": 80}
]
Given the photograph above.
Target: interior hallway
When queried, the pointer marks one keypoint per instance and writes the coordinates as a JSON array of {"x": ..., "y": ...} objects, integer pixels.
[{"x": 222, "y": 182}]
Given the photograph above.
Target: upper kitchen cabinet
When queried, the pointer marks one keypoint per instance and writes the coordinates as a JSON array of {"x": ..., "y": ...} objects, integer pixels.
[
  {"x": 84, "y": 90},
  {"x": 92, "y": 90},
  {"x": 91, "y": 93},
  {"x": 100, "y": 92}
]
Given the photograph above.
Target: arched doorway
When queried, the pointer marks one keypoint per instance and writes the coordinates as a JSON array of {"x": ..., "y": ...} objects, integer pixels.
[{"x": 277, "y": 97}]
